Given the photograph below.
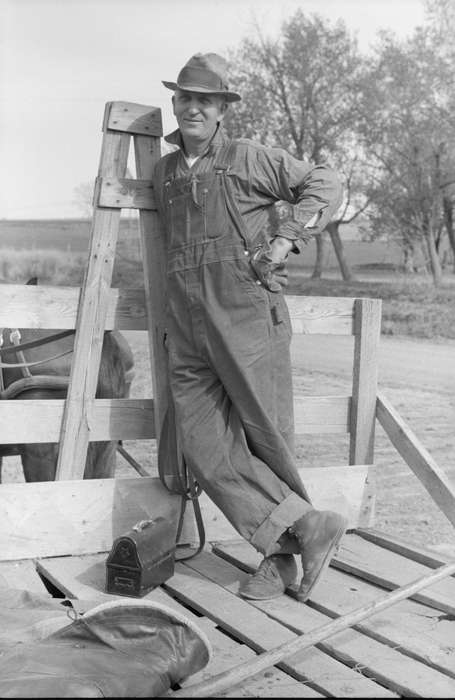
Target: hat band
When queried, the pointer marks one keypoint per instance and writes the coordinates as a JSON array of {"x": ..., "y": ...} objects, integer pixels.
[{"x": 200, "y": 77}]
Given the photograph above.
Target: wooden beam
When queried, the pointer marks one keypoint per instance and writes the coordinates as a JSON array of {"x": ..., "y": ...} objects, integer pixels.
[
  {"x": 62, "y": 518},
  {"x": 418, "y": 459},
  {"x": 123, "y": 193},
  {"x": 25, "y": 420},
  {"x": 364, "y": 387},
  {"x": 42, "y": 306},
  {"x": 321, "y": 414},
  {"x": 133, "y": 118},
  {"x": 388, "y": 569},
  {"x": 153, "y": 245},
  {"x": 39, "y": 420},
  {"x": 423, "y": 555},
  {"x": 331, "y": 315}
]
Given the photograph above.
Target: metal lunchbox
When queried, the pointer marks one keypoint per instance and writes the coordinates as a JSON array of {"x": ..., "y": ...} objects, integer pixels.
[{"x": 141, "y": 559}]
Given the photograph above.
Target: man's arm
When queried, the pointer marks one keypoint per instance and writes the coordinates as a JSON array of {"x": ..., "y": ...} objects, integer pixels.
[{"x": 316, "y": 190}]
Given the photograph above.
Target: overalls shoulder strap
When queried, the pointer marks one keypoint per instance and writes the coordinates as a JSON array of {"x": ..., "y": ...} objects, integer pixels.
[
  {"x": 222, "y": 165},
  {"x": 171, "y": 162}
]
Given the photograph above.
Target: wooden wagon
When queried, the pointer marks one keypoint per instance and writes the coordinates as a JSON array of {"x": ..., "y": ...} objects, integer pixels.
[{"x": 55, "y": 536}]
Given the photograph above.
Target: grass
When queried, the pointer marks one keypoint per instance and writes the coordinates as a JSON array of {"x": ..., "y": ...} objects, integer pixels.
[{"x": 411, "y": 305}]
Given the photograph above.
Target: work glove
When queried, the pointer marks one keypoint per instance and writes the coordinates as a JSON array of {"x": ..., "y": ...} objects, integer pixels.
[{"x": 273, "y": 275}]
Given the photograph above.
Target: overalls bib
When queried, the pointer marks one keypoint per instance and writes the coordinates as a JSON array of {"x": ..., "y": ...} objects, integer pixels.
[{"x": 229, "y": 359}]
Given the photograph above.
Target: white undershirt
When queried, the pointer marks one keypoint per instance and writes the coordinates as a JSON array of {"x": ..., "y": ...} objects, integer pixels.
[{"x": 190, "y": 159}]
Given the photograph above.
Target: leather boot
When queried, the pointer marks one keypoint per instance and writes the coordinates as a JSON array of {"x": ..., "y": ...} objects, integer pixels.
[
  {"x": 318, "y": 533},
  {"x": 274, "y": 575}
]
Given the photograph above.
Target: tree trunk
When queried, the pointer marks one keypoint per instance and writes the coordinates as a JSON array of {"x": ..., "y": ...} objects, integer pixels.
[
  {"x": 408, "y": 260},
  {"x": 346, "y": 273},
  {"x": 321, "y": 250},
  {"x": 435, "y": 263},
  {"x": 449, "y": 224}
]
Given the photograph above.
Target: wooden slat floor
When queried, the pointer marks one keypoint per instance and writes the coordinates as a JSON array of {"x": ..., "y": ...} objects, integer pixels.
[{"x": 407, "y": 650}]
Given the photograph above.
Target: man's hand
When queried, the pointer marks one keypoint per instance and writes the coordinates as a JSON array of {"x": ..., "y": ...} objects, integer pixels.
[
  {"x": 269, "y": 264},
  {"x": 280, "y": 248}
]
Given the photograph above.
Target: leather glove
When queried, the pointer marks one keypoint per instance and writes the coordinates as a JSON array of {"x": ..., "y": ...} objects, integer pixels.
[{"x": 273, "y": 275}]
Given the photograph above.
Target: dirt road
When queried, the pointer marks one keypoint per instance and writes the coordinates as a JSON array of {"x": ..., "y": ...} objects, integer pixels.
[{"x": 402, "y": 360}]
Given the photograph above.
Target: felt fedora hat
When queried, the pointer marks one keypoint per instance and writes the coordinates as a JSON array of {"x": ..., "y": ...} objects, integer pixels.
[{"x": 204, "y": 73}]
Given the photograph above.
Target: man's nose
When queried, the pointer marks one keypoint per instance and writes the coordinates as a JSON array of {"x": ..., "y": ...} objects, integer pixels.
[{"x": 193, "y": 107}]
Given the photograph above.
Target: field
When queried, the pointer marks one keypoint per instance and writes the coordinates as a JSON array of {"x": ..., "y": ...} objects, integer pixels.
[
  {"x": 411, "y": 307},
  {"x": 56, "y": 252}
]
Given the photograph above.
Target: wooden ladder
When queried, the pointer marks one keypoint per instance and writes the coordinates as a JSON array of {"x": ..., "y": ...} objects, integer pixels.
[{"x": 112, "y": 193}]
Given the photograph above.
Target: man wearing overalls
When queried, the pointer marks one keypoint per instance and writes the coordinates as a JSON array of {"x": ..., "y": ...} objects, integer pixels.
[{"x": 228, "y": 325}]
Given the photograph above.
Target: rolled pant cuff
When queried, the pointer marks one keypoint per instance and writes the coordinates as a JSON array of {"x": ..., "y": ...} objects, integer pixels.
[{"x": 285, "y": 514}]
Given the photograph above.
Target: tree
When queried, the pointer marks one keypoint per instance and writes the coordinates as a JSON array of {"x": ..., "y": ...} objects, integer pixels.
[
  {"x": 441, "y": 24},
  {"x": 301, "y": 92},
  {"x": 83, "y": 198},
  {"x": 409, "y": 141}
]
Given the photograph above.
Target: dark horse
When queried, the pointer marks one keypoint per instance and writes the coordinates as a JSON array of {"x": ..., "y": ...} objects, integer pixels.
[{"x": 48, "y": 379}]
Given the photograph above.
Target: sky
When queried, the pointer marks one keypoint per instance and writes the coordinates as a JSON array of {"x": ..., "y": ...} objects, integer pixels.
[{"x": 62, "y": 60}]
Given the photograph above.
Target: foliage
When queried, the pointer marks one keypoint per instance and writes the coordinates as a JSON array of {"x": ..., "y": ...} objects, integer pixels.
[
  {"x": 384, "y": 121},
  {"x": 83, "y": 196},
  {"x": 410, "y": 140}
]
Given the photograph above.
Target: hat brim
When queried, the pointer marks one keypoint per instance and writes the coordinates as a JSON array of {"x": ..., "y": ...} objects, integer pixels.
[{"x": 227, "y": 94}]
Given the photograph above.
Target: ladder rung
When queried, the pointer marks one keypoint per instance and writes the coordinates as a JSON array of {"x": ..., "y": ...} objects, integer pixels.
[
  {"x": 124, "y": 193},
  {"x": 133, "y": 118}
]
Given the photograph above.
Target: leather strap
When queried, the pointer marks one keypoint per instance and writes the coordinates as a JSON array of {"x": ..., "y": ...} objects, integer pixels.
[{"x": 12, "y": 349}]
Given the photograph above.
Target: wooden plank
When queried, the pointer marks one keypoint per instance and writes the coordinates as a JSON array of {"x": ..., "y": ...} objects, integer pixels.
[
  {"x": 84, "y": 578},
  {"x": 39, "y": 420},
  {"x": 133, "y": 118},
  {"x": 390, "y": 570},
  {"x": 417, "y": 457},
  {"x": 124, "y": 193},
  {"x": 364, "y": 386},
  {"x": 245, "y": 622},
  {"x": 91, "y": 319},
  {"x": 147, "y": 153},
  {"x": 423, "y": 555},
  {"x": 414, "y": 629},
  {"x": 228, "y": 654},
  {"x": 333, "y": 488},
  {"x": 321, "y": 414},
  {"x": 399, "y": 673},
  {"x": 77, "y": 517},
  {"x": 23, "y": 306},
  {"x": 332, "y": 315},
  {"x": 50, "y": 307},
  {"x": 21, "y": 575}
]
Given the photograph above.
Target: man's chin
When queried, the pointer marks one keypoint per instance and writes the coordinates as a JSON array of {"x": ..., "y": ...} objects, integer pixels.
[{"x": 192, "y": 130}]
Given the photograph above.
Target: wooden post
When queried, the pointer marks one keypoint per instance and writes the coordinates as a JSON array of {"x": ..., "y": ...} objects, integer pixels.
[
  {"x": 147, "y": 153},
  {"x": 417, "y": 458},
  {"x": 367, "y": 328}
]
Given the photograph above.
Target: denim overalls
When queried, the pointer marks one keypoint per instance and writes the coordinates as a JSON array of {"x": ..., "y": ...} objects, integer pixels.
[{"x": 229, "y": 359}]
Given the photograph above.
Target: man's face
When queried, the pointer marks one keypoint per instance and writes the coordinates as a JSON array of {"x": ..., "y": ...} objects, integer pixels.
[{"x": 198, "y": 114}]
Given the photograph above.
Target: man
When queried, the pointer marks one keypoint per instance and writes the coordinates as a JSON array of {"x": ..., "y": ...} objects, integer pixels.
[{"x": 228, "y": 325}]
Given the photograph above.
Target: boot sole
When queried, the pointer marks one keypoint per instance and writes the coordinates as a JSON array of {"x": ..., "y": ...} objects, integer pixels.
[
  {"x": 262, "y": 597},
  {"x": 302, "y": 597}
]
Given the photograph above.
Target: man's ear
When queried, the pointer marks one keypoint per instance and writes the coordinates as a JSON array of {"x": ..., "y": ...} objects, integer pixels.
[
  {"x": 223, "y": 110},
  {"x": 173, "y": 104}
]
